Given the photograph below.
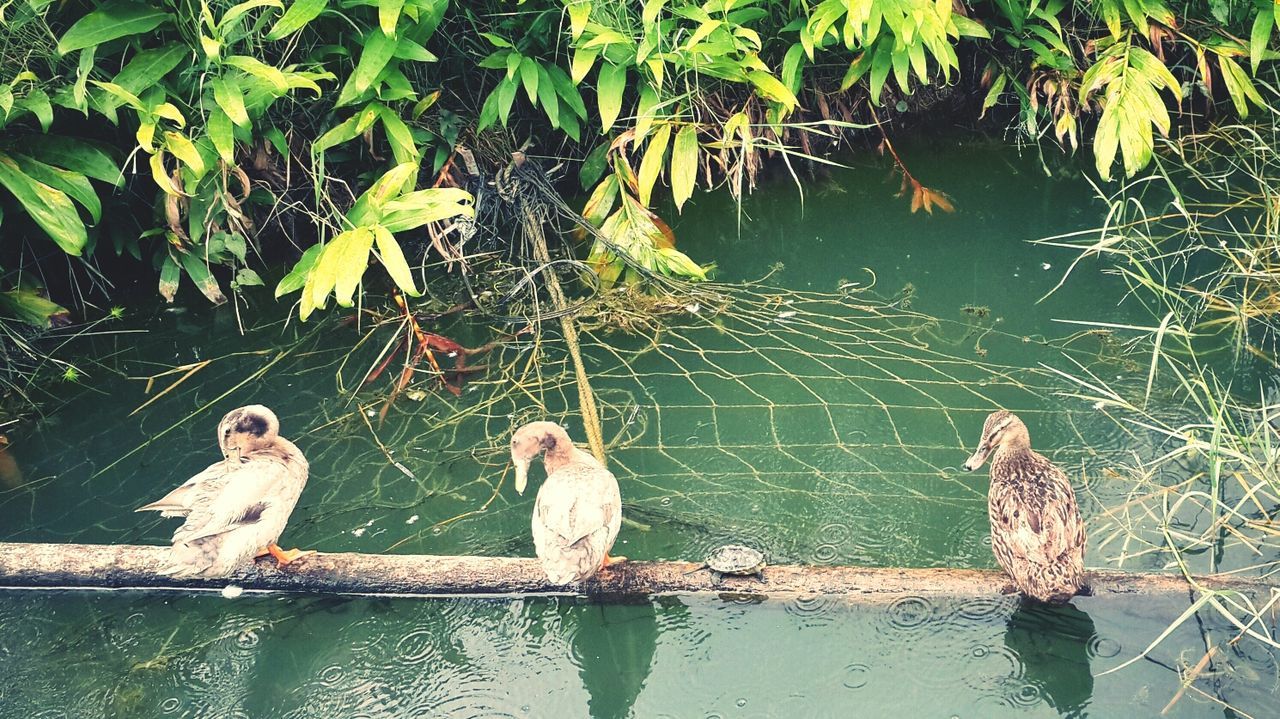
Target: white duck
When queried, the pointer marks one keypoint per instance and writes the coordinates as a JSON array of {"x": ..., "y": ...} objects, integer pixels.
[
  {"x": 579, "y": 508},
  {"x": 237, "y": 508}
]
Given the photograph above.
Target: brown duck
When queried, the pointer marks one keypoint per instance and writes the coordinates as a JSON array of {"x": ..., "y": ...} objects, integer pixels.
[{"x": 1036, "y": 531}]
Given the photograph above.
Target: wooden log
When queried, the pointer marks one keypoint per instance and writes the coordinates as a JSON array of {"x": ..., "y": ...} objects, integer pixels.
[{"x": 134, "y": 567}]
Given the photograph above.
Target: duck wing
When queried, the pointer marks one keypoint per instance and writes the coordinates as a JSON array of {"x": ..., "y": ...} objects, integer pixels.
[
  {"x": 249, "y": 494},
  {"x": 178, "y": 503},
  {"x": 1039, "y": 522},
  {"x": 576, "y": 519}
]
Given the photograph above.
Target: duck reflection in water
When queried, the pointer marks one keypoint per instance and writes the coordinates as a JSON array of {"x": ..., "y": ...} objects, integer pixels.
[
  {"x": 613, "y": 650},
  {"x": 1053, "y": 643}
]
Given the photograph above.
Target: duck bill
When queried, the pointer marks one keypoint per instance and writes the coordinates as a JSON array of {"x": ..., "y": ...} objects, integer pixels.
[
  {"x": 522, "y": 474},
  {"x": 977, "y": 459}
]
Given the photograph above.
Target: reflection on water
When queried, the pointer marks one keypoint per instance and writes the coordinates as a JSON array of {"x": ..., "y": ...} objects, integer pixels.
[
  {"x": 140, "y": 656},
  {"x": 1053, "y": 644},
  {"x": 614, "y": 654}
]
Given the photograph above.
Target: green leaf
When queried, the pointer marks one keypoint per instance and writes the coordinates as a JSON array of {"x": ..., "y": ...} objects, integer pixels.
[
  {"x": 529, "y": 77},
  {"x": 27, "y": 305},
  {"x": 255, "y": 67},
  {"x": 594, "y": 165},
  {"x": 170, "y": 275},
  {"x": 612, "y": 81},
  {"x": 110, "y": 22},
  {"x": 771, "y": 88},
  {"x": 582, "y": 62},
  {"x": 237, "y": 11},
  {"x": 73, "y": 184},
  {"x": 347, "y": 130},
  {"x": 684, "y": 164},
  {"x": 82, "y": 77},
  {"x": 496, "y": 40},
  {"x": 1263, "y": 24},
  {"x": 340, "y": 267},
  {"x": 389, "y": 15},
  {"x": 38, "y": 103},
  {"x": 651, "y": 165},
  {"x": 393, "y": 260},
  {"x": 506, "y": 91},
  {"x": 993, "y": 95},
  {"x": 369, "y": 206},
  {"x": 51, "y": 209},
  {"x": 82, "y": 156},
  {"x": 198, "y": 270},
  {"x": 297, "y": 277},
  {"x": 296, "y": 17},
  {"x": 246, "y": 277},
  {"x": 221, "y": 135},
  {"x": 547, "y": 97},
  {"x": 377, "y": 52},
  {"x": 398, "y": 134},
  {"x": 229, "y": 96},
  {"x": 146, "y": 69}
]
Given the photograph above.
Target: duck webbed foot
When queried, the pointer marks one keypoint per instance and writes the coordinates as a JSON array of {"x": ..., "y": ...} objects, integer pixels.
[
  {"x": 286, "y": 556},
  {"x": 611, "y": 561}
]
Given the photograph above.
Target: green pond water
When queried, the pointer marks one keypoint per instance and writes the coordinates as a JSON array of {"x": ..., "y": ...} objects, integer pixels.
[{"x": 806, "y": 414}]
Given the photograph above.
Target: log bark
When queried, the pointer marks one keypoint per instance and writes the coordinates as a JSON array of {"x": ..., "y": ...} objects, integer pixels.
[{"x": 134, "y": 567}]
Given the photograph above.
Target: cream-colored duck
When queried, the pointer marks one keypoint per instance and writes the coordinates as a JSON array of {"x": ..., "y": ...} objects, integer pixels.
[
  {"x": 579, "y": 509},
  {"x": 1036, "y": 531},
  {"x": 237, "y": 508}
]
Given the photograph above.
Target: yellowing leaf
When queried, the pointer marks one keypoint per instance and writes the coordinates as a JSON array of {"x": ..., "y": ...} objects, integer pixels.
[
  {"x": 393, "y": 260},
  {"x": 684, "y": 164},
  {"x": 651, "y": 165}
]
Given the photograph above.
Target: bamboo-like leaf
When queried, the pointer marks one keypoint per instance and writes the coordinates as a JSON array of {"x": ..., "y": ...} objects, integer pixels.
[
  {"x": 393, "y": 260},
  {"x": 235, "y": 12},
  {"x": 579, "y": 13},
  {"x": 651, "y": 165},
  {"x": 198, "y": 270},
  {"x": 376, "y": 53},
  {"x": 1263, "y": 23},
  {"x": 73, "y": 184},
  {"x": 415, "y": 209},
  {"x": 299, "y": 14},
  {"x": 109, "y": 22},
  {"x": 82, "y": 156},
  {"x": 547, "y": 96},
  {"x": 612, "y": 81},
  {"x": 221, "y": 134},
  {"x": 529, "y": 78},
  {"x": 37, "y": 101},
  {"x": 183, "y": 149},
  {"x": 684, "y": 164},
  {"x": 297, "y": 277},
  {"x": 389, "y": 15},
  {"x": 146, "y": 69},
  {"x": 51, "y": 209},
  {"x": 770, "y": 87},
  {"x": 161, "y": 175},
  {"x": 229, "y": 96},
  {"x": 402, "y": 144},
  {"x": 170, "y": 274},
  {"x": 255, "y": 67}
]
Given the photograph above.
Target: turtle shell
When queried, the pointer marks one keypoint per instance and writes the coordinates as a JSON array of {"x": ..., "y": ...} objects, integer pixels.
[{"x": 735, "y": 559}]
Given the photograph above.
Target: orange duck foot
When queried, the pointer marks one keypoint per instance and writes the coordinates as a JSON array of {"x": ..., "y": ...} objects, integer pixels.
[{"x": 286, "y": 556}]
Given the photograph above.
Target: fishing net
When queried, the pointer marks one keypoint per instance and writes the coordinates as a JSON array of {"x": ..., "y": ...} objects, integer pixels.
[{"x": 822, "y": 426}]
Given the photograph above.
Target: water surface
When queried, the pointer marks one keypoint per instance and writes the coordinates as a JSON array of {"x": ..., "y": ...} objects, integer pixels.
[{"x": 809, "y": 415}]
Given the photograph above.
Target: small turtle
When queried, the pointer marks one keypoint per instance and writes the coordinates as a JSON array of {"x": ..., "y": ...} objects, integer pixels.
[{"x": 735, "y": 560}]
